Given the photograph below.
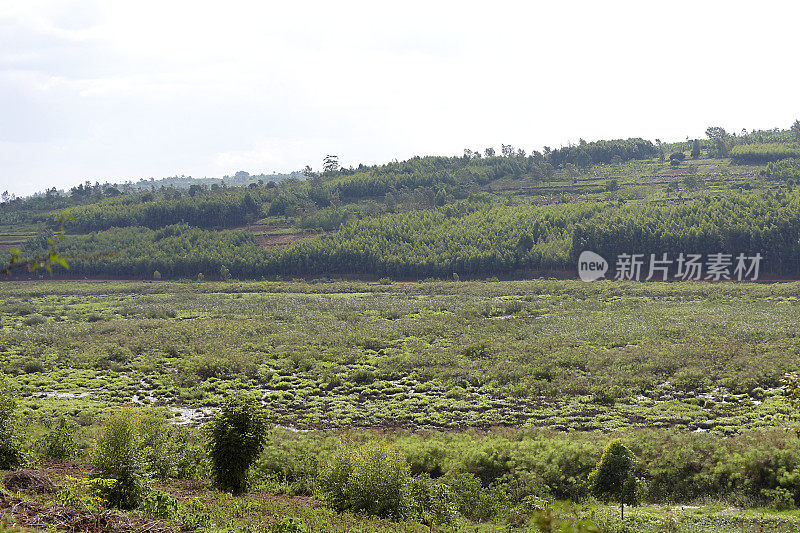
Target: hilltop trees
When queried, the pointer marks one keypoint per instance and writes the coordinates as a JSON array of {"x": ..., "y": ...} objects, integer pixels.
[
  {"x": 719, "y": 138},
  {"x": 331, "y": 164},
  {"x": 695, "y": 148},
  {"x": 586, "y": 154}
]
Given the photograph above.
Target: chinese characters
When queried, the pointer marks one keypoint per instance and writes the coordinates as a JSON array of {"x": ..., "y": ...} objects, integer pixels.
[{"x": 685, "y": 267}]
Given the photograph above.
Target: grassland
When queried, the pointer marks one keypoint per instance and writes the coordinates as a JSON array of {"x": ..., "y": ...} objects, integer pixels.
[
  {"x": 517, "y": 383},
  {"x": 556, "y": 354}
]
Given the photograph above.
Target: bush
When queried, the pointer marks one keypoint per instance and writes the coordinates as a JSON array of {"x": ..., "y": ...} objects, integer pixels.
[
  {"x": 236, "y": 438},
  {"x": 10, "y": 447},
  {"x": 59, "y": 443},
  {"x": 288, "y": 524},
  {"x": 156, "y": 443},
  {"x": 32, "y": 366},
  {"x": 370, "y": 478},
  {"x": 118, "y": 455},
  {"x": 471, "y": 499},
  {"x": 159, "y": 504},
  {"x": 34, "y": 320},
  {"x": 430, "y": 501}
]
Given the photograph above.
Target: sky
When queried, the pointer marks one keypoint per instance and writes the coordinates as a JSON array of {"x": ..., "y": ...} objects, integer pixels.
[{"x": 114, "y": 90}]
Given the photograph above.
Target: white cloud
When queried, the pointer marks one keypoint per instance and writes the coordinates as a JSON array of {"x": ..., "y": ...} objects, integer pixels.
[{"x": 116, "y": 90}]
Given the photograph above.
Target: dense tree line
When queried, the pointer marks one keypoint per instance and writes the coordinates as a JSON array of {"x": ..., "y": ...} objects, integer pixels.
[
  {"x": 221, "y": 208},
  {"x": 460, "y": 238},
  {"x": 586, "y": 154},
  {"x": 768, "y": 224},
  {"x": 762, "y": 153}
]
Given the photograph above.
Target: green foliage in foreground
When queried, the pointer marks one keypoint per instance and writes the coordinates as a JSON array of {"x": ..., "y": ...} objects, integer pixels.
[
  {"x": 370, "y": 478},
  {"x": 118, "y": 454},
  {"x": 236, "y": 438},
  {"x": 10, "y": 450}
]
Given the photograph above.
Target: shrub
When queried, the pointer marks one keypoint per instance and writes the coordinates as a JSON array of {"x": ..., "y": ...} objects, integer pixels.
[
  {"x": 34, "y": 320},
  {"x": 288, "y": 524},
  {"x": 370, "y": 478},
  {"x": 471, "y": 499},
  {"x": 430, "y": 501},
  {"x": 159, "y": 504},
  {"x": 32, "y": 366},
  {"x": 236, "y": 438},
  {"x": 10, "y": 447},
  {"x": 156, "y": 275},
  {"x": 156, "y": 443},
  {"x": 779, "y": 499},
  {"x": 118, "y": 455},
  {"x": 59, "y": 442}
]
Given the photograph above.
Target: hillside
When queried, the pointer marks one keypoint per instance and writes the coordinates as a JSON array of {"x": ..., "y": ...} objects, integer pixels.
[{"x": 479, "y": 215}]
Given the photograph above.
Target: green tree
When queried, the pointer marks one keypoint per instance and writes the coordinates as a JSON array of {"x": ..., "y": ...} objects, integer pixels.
[
  {"x": 118, "y": 454},
  {"x": 695, "y": 148},
  {"x": 614, "y": 479},
  {"x": 796, "y": 130},
  {"x": 716, "y": 132},
  {"x": 10, "y": 451},
  {"x": 331, "y": 164},
  {"x": 236, "y": 438}
]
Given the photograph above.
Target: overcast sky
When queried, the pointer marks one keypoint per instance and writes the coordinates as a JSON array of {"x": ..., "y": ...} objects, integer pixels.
[{"x": 116, "y": 90}]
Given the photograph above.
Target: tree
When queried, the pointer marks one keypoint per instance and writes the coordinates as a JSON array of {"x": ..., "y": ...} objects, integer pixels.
[
  {"x": 489, "y": 152},
  {"x": 236, "y": 438},
  {"x": 676, "y": 158},
  {"x": 117, "y": 454},
  {"x": 695, "y": 148},
  {"x": 10, "y": 451},
  {"x": 331, "y": 164},
  {"x": 716, "y": 132},
  {"x": 796, "y": 130},
  {"x": 614, "y": 479}
]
